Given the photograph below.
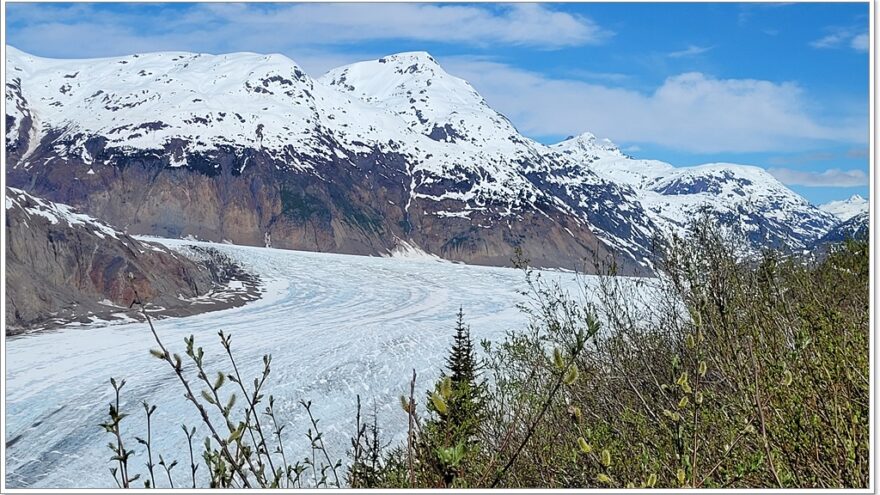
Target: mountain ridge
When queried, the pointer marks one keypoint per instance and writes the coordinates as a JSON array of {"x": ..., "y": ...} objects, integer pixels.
[
  {"x": 369, "y": 157},
  {"x": 846, "y": 209}
]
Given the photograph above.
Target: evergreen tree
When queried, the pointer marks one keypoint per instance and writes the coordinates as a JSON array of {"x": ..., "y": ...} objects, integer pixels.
[
  {"x": 461, "y": 364},
  {"x": 457, "y": 401}
]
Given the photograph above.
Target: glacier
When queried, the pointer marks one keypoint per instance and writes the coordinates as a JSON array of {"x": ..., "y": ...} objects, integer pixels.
[{"x": 337, "y": 326}]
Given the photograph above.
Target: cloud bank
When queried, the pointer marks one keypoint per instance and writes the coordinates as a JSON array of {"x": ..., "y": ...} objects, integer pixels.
[
  {"x": 274, "y": 27},
  {"x": 691, "y": 111},
  {"x": 828, "y": 178}
]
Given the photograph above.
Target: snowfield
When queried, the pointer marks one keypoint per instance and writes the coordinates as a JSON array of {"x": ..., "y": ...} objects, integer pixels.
[
  {"x": 401, "y": 116},
  {"x": 336, "y": 326}
]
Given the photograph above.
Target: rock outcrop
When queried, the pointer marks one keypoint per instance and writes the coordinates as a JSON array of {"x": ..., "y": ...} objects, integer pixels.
[
  {"x": 64, "y": 266},
  {"x": 369, "y": 158}
]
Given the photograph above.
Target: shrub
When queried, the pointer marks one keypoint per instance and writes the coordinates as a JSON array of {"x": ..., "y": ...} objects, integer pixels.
[{"x": 723, "y": 372}]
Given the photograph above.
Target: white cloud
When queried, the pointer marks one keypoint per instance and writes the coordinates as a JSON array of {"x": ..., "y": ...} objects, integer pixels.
[
  {"x": 691, "y": 112},
  {"x": 690, "y": 51},
  {"x": 833, "y": 40},
  {"x": 860, "y": 42},
  {"x": 524, "y": 24},
  {"x": 223, "y": 27},
  {"x": 819, "y": 156},
  {"x": 828, "y": 178},
  {"x": 843, "y": 38}
]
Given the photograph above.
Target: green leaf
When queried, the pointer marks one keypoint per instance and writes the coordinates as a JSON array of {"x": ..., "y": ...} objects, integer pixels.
[
  {"x": 219, "y": 381},
  {"x": 557, "y": 359},
  {"x": 439, "y": 403},
  {"x": 446, "y": 387},
  {"x": 584, "y": 446},
  {"x": 787, "y": 378},
  {"x": 207, "y": 397},
  {"x": 405, "y": 404},
  {"x": 571, "y": 375},
  {"x": 682, "y": 380}
]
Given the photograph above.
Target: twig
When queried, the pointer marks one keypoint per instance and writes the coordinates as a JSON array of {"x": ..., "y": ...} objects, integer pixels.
[
  {"x": 761, "y": 417},
  {"x": 254, "y": 399},
  {"x": 270, "y": 410},
  {"x": 192, "y": 459},
  {"x": 532, "y": 427},
  {"x": 120, "y": 449},
  {"x": 409, "y": 438},
  {"x": 149, "y": 410},
  {"x": 319, "y": 438},
  {"x": 189, "y": 394}
]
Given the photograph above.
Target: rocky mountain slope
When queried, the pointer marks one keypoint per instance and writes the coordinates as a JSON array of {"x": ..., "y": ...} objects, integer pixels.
[
  {"x": 449, "y": 110},
  {"x": 745, "y": 199},
  {"x": 373, "y": 158},
  {"x": 854, "y": 227},
  {"x": 65, "y": 266}
]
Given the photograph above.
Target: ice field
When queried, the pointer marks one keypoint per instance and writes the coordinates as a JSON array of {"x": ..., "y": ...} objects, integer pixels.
[{"x": 336, "y": 325}]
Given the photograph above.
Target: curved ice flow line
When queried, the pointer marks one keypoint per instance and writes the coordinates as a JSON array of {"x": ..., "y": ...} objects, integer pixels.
[{"x": 336, "y": 325}]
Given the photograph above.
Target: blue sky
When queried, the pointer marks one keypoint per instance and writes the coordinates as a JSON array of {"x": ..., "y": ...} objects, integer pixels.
[{"x": 781, "y": 86}]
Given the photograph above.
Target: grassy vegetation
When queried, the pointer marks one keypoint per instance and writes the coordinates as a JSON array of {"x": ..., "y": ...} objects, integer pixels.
[
  {"x": 736, "y": 373},
  {"x": 302, "y": 206}
]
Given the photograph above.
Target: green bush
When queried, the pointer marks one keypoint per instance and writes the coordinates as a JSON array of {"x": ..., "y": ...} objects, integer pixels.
[{"x": 722, "y": 373}]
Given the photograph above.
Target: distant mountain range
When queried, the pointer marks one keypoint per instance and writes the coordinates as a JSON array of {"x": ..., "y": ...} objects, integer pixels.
[
  {"x": 373, "y": 158},
  {"x": 846, "y": 209}
]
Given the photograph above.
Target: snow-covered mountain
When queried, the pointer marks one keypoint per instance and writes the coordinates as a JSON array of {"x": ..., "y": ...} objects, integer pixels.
[
  {"x": 370, "y": 158},
  {"x": 33, "y": 210},
  {"x": 449, "y": 110},
  {"x": 445, "y": 108},
  {"x": 846, "y": 209},
  {"x": 745, "y": 199},
  {"x": 853, "y": 228}
]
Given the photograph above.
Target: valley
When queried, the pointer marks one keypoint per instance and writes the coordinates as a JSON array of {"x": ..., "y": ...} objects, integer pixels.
[
  {"x": 391, "y": 195},
  {"x": 369, "y": 158},
  {"x": 337, "y": 326}
]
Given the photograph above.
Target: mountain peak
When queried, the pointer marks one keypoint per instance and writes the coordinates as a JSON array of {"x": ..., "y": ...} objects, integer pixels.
[
  {"x": 417, "y": 56},
  {"x": 412, "y": 68},
  {"x": 587, "y": 144},
  {"x": 413, "y": 86},
  {"x": 846, "y": 208},
  {"x": 13, "y": 51}
]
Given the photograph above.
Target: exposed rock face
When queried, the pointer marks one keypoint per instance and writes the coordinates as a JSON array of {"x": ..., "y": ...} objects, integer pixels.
[
  {"x": 142, "y": 142},
  {"x": 361, "y": 211},
  {"x": 371, "y": 157},
  {"x": 856, "y": 227},
  {"x": 62, "y": 265}
]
